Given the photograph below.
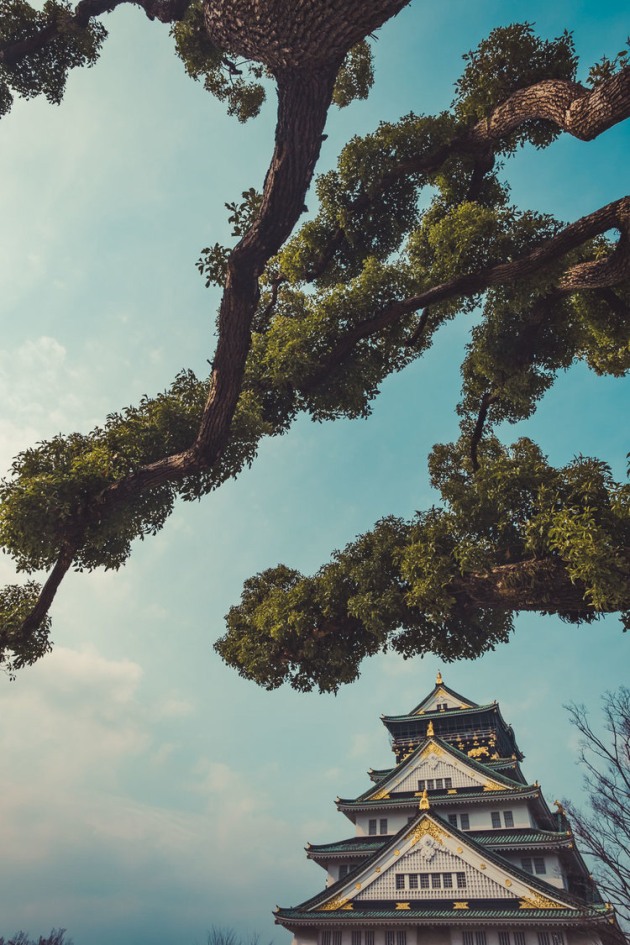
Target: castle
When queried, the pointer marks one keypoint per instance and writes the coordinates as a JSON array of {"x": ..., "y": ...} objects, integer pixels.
[{"x": 452, "y": 846}]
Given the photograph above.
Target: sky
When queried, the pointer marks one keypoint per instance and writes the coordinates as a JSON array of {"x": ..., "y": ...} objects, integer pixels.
[{"x": 147, "y": 792}]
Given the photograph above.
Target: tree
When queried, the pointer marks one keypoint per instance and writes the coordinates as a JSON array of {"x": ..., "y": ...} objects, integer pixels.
[
  {"x": 604, "y": 833},
  {"x": 313, "y": 322},
  {"x": 226, "y": 936},
  {"x": 56, "y": 937}
]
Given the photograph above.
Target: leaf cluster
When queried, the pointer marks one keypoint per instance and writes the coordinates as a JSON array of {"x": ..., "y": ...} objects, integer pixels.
[
  {"x": 513, "y": 58},
  {"x": 607, "y": 67},
  {"x": 213, "y": 262},
  {"x": 405, "y": 585},
  {"x": 19, "y": 648},
  {"x": 240, "y": 84},
  {"x": 44, "y": 70}
]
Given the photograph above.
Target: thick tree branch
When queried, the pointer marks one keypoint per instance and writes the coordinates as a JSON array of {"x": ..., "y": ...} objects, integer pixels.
[
  {"x": 583, "y": 113},
  {"x": 534, "y": 585},
  {"x": 166, "y": 11},
  {"x": 486, "y": 402},
  {"x": 574, "y": 109},
  {"x": 50, "y": 588},
  {"x": 615, "y": 215}
]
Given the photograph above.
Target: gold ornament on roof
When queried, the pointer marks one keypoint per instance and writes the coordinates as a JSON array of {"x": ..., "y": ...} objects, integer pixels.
[
  {"x": 333, "y": 904},
  {"x": 380, "y": 796},
  {"x": 438, "y": 679},
  {"x": 424, "y": 801},
  {"x": 425, "y": 828},
  {"x": 559, "y": 806},
  {"x": 460, "y": 905},
  {"x": 400, "y": 906},
  {"x": 537, "y": 901},
  {"x": 430, "y": 731}
]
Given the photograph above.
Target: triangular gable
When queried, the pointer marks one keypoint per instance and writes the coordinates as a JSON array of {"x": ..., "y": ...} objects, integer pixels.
[
  {"x": 441, "y": 696},
  {"x": 429, "y": 846},
  {"x": 436, "y": 759}
]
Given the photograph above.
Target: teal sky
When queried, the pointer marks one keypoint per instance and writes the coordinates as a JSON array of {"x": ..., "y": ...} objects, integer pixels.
[{"x": 148, "y": 792}]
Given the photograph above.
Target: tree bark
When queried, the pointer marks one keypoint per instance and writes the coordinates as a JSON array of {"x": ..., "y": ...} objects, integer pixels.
[
  {"x": 535, "y": 585},
  {"x": 294, "y": 34}
]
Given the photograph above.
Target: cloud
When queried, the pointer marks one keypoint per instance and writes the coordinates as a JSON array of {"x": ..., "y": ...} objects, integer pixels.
[
  {"x": 105, "y": 816},
  {"x": 41, "y": 391}
]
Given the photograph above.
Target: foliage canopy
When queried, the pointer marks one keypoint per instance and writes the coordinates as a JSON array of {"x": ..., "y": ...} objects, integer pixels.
[{"x": 414, "y": 227}]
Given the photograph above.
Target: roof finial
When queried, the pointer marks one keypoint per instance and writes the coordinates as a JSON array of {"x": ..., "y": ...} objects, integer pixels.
[
  {"x": 424, "y": 800},
  {"x": 430, "y": 731},
  {"x": 438, "y": 679}
]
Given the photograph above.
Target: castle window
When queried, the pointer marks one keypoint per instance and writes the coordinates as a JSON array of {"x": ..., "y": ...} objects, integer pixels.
[
  {"x": 452, "y": 819},
  {"x": 336, "y": 937},
  {"x": 324, "y": 937},
  {"x": 356, "y": 936},
  {"x": 401, "y": 937},
  {"x": 372, "y": 828},
  {"x": 526, "y": 864},
  {"x": 519, "y": 938},
  {"x": 461, "y": 880},
  {"x": 508, "y": 818},
  {"x": 421, "y": 785},
  {"x": 480, "y": 938},
  {"x": 539, "y": 864},
  {"x": 430, "y": 784},
  {"x": 413, "y": 881},
  {"x": 468, "y": 938},
  {"x": 504, "y": 938},
  {"x": 436, "y": 881},
  {"x": 465, "y": 821},
  {"x": 383, "y": 825},
  {"x": 400, "y": 880},
  {"x": 447, "y": 880},
  {"x": 543, "y": 938},
  {"x": 369, "y": 938},
  {"x": 557, "y": 938},
  {"x": 496, "y": 819},
  {"x": 343, "y": 870},
  {"x": 424, "y": 880},
  {"x": 448, "y": 783},
  {"x": 439, "y": 784}
]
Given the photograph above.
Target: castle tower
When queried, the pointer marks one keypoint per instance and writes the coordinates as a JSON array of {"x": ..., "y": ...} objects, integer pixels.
[{"x": 452, "y": 846}]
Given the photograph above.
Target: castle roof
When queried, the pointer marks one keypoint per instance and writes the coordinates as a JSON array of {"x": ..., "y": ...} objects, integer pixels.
[
  {"x": 518, "y": 894},
  {"x": 523, "y": 838}
]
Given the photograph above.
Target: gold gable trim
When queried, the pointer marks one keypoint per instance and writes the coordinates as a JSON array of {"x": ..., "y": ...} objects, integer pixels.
[
  {"x": 427, "y": 828},
  {"x": 333, "y": 904},
  {"x": 536, "y": 901},
  {"x": 379, "y": 796}
]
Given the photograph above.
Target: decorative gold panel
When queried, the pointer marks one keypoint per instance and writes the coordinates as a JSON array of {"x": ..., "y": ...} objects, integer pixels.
[
  {"x": 379, "y": 796},
  {"x": 536, "y": 901},
  {"x": 427, "y": 827},
  {"x": 333, "y": 904}
]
